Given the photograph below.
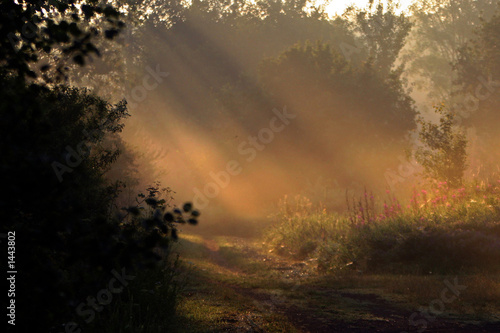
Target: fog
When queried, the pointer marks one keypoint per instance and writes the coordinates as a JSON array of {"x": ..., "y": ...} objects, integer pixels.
[{"x": 236, "y": 105}]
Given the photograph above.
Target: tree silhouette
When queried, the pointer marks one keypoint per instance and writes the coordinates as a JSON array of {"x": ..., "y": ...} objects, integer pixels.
[{"x": 36, "y": 36}]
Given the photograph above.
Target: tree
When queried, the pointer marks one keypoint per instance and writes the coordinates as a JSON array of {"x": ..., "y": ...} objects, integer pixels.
[
  {"x": 376, "y": 100},
  {"x": 55, "y": 155},
  {"x": 36, "y": 36},
  {"x": 383, "y": 33},
  {"x": 346, "y": 109},
  {"x": 441, "y": 29},
  {"x": 478, "y": 69},
  {"x": 479, "y": 65},
  {"x": 444, "y": 154}
]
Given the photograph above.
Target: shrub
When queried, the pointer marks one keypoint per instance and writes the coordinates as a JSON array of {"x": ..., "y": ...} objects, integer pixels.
[
  {"x": 68, "y": 237},
  {"x": 444, "y": 153}
]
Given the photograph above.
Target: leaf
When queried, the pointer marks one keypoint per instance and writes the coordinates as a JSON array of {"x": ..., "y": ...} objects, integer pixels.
[
  {"x": 111, "y": 33},
  {"x": 163, "y": 228},
  {"x": 74, "y": 30},
  {"x": 88, "y": 11},
  {"x": 174, "y": 234},
  {"x": 79, "y": 59},
  {"x": 169, "y": 217},
  {"x": 187, "y": 207}
]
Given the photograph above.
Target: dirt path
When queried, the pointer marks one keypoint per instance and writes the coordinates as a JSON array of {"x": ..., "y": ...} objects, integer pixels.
[{"x": 276, "y": 288}]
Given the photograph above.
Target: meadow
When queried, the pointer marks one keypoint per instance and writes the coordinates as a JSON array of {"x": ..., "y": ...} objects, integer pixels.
[{"x": 429, "y": 263}]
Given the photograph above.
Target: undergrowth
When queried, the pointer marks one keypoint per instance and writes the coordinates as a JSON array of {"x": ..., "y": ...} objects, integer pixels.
[{"x": 439, "y": 230}]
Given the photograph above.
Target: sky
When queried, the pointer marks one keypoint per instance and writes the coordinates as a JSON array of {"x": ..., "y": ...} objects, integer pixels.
[{"x": 338, "y": 6}]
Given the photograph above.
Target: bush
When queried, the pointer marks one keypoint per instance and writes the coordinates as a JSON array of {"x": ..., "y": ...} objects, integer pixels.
[
  {"x": 68, "y": 235},
  {"x": 444, "y": 153}
]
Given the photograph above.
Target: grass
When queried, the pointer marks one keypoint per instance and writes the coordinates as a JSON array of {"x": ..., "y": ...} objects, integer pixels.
[
  {"x": 482, "y": 292},
  {"x": 314, "y": 268},
  {"x": 147, "y": 305},
  {"x": 213, "y": 300},
  {"x": 440, "y": 230},
  {"x": 236, "y": 285}
]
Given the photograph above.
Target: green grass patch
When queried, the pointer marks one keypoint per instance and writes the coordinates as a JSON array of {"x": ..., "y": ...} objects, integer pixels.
[{"x": 440, "y": 230}]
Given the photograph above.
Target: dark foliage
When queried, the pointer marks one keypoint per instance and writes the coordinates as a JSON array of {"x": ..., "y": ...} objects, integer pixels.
[
  {"x": 68, "y": 240},
  {"x": 40, "y": 35}
]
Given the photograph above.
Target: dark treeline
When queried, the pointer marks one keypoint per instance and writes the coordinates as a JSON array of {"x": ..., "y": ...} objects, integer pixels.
[{"x": 67, "y": 239}]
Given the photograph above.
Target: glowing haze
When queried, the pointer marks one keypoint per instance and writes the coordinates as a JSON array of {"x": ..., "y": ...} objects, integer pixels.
[
  {"x": 241, "y": 155},
  {"x": 338, "y": 6},
  {"x": 225, "y": 163}
]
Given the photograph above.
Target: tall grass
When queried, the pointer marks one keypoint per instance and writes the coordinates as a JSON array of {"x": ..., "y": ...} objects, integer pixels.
[
  {"x": 440, "y": 230},
  {"x": 299, "y": 228},
  {"x": 148, "y": 305}
]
